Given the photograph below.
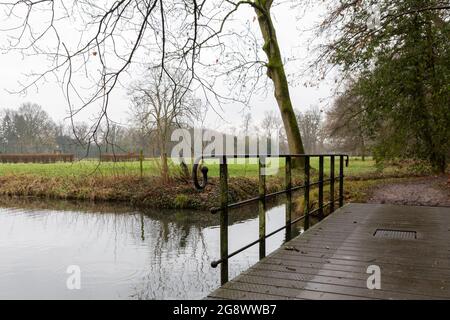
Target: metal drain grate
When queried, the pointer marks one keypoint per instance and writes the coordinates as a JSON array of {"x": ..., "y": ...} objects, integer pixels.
[{"x": 395, "y": 234}]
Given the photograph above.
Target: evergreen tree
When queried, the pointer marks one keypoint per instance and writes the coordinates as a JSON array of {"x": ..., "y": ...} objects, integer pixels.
[{"x": 403, "y": 71}]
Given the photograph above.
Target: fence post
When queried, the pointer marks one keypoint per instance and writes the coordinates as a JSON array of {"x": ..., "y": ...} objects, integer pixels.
[
  {"x": 341, "y": 182},
  {"x": 321, "y": 212},
  {"x": 306, "y": 189},
  {"x": 224, "y": 220},
  {"x": 288, "y": 185},
  {"x": 262, "y": 207},
  {"x": 332, "y": 178},
  {"x": 141, "y": 162}
]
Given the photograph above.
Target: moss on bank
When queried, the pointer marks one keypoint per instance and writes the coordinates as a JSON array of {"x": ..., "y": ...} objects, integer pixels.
[{"x": 149, "y": 192}]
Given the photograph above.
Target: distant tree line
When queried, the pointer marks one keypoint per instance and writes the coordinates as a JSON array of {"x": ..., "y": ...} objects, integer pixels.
[{"x": 30, "y": 129}]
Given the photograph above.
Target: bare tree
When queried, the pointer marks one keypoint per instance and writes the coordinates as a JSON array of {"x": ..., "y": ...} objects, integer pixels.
[
  {"x": 117, "y": 35},
  {"x": 346, "y": 124},
  {"x": 28, "y": 129},
  {"x": 271, "y": 124},
  {"x": 310, "y": 123},
  {"x": 8, "y": 131},
  {"x": 272, "y": 128},
  {"x": 246, "y": 123},
  {"x": 160, "y": 105}
]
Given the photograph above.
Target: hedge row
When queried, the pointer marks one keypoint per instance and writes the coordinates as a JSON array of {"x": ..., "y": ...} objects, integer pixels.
[{"x": 36, "y": 158}]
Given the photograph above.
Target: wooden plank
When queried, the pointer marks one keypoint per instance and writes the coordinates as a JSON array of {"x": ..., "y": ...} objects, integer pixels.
[
  {"x": 267, "y": 292},
  {"x": 420, "y": 261},
  {"x": 332, "y": 243},
  {"x": 330, "y": 260},
  {"x": 370, "y": 249},
  {"x": 235, "y": 294},
  {"x": 399, "y": 270},
  {"x": 423, "y": 283},
  {"x": 329, "y": 288},
  {"x": 426, "y": 288}
]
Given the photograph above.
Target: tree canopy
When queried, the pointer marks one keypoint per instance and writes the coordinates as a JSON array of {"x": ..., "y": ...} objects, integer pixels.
[
  {"x": 195, "y": 36},
  {"x": 400, "y": 74}
]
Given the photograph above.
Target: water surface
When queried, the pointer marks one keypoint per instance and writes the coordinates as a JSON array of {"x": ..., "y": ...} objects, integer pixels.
[{"x": 123, "y": 253}]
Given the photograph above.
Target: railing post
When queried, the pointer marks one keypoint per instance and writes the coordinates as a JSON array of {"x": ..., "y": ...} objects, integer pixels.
[
  {"x": 306, "y": 189},
  {"x": 332, "y": 178},
  {"x": 341, "y": 182},
  {"x": 321, "y": 212},
  {"x": 288, "y": 185},
  {"x": 224, "y": 220},
  {"x": 262, "y": 207}
]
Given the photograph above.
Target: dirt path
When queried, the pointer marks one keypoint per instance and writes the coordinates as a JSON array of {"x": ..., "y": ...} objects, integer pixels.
[{"x": 432, "y": 191}]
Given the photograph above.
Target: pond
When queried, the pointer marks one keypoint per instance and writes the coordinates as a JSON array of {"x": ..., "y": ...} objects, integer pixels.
[{"x": 122, "y": 253}]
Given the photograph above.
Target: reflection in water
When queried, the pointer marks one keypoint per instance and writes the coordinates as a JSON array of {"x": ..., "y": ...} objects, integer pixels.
[{"x": 123, "y": 254}]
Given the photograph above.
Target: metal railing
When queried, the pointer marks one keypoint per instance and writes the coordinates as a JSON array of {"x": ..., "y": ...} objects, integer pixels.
[{"x": 225, "y": 206}]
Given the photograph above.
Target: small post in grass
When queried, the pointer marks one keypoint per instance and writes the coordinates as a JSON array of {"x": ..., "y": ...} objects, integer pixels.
[{"x": 141, "y": 162}]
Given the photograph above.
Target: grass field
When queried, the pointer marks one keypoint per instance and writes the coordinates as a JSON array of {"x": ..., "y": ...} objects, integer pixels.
[
  {"x": 151, "y": 167},
  {"x": 107, "y": 181}
]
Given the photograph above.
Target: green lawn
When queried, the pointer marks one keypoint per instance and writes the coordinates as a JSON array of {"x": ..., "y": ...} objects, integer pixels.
[
  {"x": 92, "y": 180},
  {"x": 241, "y": 168},
  {"x": 151, "y": 168},
  {"x": 80, "y": 168}
]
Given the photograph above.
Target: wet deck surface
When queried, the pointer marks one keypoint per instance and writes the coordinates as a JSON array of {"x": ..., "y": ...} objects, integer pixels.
[{"x": 330, "y": 260}]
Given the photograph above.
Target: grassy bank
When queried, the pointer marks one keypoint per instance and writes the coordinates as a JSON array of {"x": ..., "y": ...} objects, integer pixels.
[
  {"x": 121, "y": 182},
  {"x": 151, "y": 168}
]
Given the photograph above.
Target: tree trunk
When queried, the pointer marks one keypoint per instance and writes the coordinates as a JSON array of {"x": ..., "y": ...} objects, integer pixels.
[
  {"x": 164, "y": 167},
  {"x": 164, "y": 161},
  {"x": 276, "y": 72},
  {"x": 363, "y": 148}
]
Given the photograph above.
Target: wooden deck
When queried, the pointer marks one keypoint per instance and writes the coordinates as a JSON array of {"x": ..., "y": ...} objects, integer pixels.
[{"x": 330, "y": 260}]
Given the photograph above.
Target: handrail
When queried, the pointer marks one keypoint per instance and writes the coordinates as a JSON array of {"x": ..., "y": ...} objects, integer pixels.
[
  {"x": 204, "y": 170},
  {"x": 263, "y": 196},
  {"x": 216, "y": 210}
]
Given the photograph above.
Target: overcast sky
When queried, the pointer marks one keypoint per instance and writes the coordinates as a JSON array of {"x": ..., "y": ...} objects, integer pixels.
[{"x": 293, "y": 40}]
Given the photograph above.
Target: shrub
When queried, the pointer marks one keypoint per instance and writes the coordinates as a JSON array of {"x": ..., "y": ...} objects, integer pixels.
[{"x": 181, "y": 201}]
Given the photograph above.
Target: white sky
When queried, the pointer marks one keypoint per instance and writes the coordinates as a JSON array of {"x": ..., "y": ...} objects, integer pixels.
[{"x": 293, "y": 41}]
